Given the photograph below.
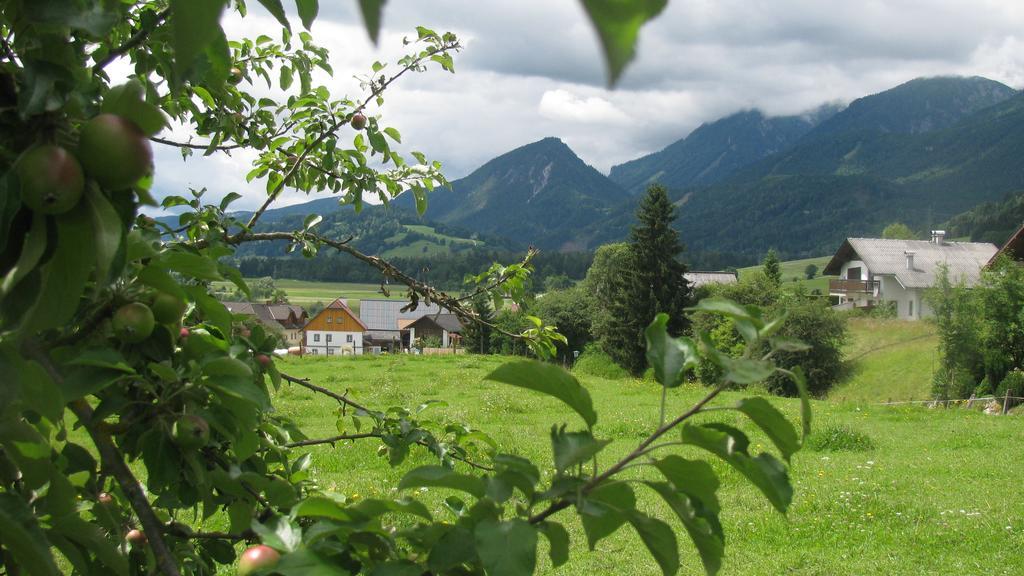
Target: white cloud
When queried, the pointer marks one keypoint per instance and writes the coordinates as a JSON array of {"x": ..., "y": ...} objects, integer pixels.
[{"x": 561, "y": 104}]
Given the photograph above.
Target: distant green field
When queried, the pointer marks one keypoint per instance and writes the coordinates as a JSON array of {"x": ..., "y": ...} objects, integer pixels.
[
  {"x": 793, "y": 272},
  {"x": 888, "y": 360},
  {"x": 305, "y": 293}
]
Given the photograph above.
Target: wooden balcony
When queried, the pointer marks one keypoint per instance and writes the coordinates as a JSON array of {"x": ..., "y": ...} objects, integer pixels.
[{"x": 853, "y": 286}]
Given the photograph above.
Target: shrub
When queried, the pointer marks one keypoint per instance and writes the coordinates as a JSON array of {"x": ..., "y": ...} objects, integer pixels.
[
  {"x": 839, "y": 438},
  {"x": 983, "y": 389},
  {"x": 594, "y": 362},
  {"x": 1014, "y": 384},
  {"x": 953, "y": 384},
  {"x": 814, "y": 323}
]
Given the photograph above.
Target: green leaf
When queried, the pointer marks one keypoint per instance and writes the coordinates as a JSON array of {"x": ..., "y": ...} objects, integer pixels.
[
  {"x": 704, "y": 532},
  {"x": 659, "y": 539},
  {"x": 228, "y": 199},
  {"x": 311, "y": 221},
  {"x": 618, "y": 25},
  {"x": 551, "y": 380},
  {"x": 670, "y": 357},
  {"x": 745, "y": 370},
  {"x": 195, "y": 24},
  {"x": 371, "y": 10},
  {"x": 108, "y": 227},
  {"x": 275, "y": 8},
  {"x": 398, "y": 568},
  {"x": 764, "y": 471},
  {"x": 286, "y": 77},
  {"x": 420, "y": 195},
  {"x": 695, "y": 478},
  {"x": 308, "y": 10},
  {"x": 278, "y": 532},
  {"x": 93, "y": 538},
  {"x": 305, "y": 562},
  {"x": 601, "y": 512},
  {"x": 558, "y": 540},
  {"x": 23, "y": 537},
  {"x": 797, "y": 374},
  {"x": 193, "y": 265},
  {"x": 65, "y": 275},
  {"x": 436, "y": 476},
  {"x": 774, "y": 424},
  {"x": 456, "y": 547},
  {"x": 32, "y": 250},
  {"x": 788, "y": 344},
  {"x": 506, "y": 548},
  {"x": 394, "y": 134},
  {"x": 212, "y": 310},
  {"x": 372, "y": 507},
  {"x": 572, "y": 448}
]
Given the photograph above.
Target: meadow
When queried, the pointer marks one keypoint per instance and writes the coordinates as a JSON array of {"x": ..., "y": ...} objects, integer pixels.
[
  {"x": 879, "y": 490},
  {"x": 793, "y": 273}
]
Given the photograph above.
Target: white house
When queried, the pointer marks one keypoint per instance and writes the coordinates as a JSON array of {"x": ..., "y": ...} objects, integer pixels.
[
  {"x": 336, "y": 330},
  {"x": 875, "y": 270}
]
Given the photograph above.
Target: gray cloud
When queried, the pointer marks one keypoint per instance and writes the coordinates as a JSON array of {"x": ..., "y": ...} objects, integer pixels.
[{"x": 533, "y": 69}]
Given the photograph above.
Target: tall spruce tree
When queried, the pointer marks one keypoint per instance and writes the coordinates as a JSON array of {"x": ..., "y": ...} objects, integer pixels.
[
  {"x": 772, "y": 267},
  {"x": 476, "y": 336},
  {"x": 652, "y": 283}
]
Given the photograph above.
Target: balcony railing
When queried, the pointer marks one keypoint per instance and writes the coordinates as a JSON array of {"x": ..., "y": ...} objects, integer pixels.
[{"x": 853, "y": 286}]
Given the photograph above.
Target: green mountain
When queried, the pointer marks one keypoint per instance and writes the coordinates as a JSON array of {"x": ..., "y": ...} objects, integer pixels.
[
  {"x": 540, "y": 194},
  {"x": 991, "y": 222},
  {"x": 859, "y": 174},
  {"x": 715, "y": 150},
  {"x": 915, "y": 107}
]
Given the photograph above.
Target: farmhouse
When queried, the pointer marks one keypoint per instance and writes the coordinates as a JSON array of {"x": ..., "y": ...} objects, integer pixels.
[
  {"x": 698, "y": 279},
  {"x": 284, "y": 319},
  {"x": 873, "y": 271},
  {"x": 334, "y": 331},
  {"x": 447, "y": 328},
  {"x": 387, "y": 322}
]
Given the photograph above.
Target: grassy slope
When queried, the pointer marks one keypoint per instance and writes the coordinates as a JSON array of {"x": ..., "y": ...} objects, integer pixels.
[
  {"x": 429, "y": 247},
  {"x": 794, "y": 270},
  {"x": 888, "y": 359},
  {"x": 933, "y": 497}
]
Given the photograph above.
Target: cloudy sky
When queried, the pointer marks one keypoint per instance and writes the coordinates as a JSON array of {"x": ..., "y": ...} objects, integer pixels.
[{"x": 532, "y": 68}]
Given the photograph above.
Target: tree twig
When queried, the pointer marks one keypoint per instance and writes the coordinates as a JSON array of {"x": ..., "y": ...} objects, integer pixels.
[
  {"x": 639, "y": 451},
  {"x": 113, "y": 461},
  {"x": 333, "y": 439},
  {"x": 136, "y": 39}
]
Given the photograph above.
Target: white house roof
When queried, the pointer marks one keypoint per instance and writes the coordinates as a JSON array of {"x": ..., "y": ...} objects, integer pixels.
[
  {"x": 883, "y": 257},
  {"x": 384, "y": 314},
  {"x": 698, "y": 279}
]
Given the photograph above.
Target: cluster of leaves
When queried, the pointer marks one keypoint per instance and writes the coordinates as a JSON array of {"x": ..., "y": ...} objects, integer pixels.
[{"x": 135, "y": 407}]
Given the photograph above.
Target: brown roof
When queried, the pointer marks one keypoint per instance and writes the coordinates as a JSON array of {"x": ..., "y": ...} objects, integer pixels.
[{"x": 1014, "y": 247}]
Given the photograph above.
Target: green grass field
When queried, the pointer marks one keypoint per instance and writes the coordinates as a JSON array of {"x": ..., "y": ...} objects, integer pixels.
[
  {"x": 888, "y": 360},
  {"x": 936, "y": 495},
  {"x": 793, "y": 273}
]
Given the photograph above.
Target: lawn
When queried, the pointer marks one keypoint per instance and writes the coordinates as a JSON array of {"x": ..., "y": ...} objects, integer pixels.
[
  {"x": 888, "y": 360},
  {"x": 936, "y": 494},
  {"x": 793, "y": 273}
]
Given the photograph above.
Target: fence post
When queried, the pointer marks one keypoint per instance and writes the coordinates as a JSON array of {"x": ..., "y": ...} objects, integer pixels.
[
  {"x": 1006, "y": 401},
  {"x": 970, "y": 401}
]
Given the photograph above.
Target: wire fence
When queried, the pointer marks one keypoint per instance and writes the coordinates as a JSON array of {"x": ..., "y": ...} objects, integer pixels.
[{"x": 957, "y": 402}]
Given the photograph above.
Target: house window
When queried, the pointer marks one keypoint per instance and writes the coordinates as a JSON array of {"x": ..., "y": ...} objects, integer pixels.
[
  {"x": 328, "y": 337},
  {"x": 853, "y": 273},
  {"x": 348, "y": 337},
  {"x": 329, "y": 318},
  {"x": 316, "y": 337},
  {"x": 330, "y": 351}
]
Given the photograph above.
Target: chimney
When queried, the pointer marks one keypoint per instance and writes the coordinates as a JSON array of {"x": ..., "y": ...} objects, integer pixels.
[
  {"x": 938, "y": 236},
  {"x": 910, "y": 259}
]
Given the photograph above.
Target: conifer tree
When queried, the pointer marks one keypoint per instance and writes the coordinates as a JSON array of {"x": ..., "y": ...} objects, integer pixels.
[
  {"x": 652, "y": 283},
  {"x": 771, "y": 268}
]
